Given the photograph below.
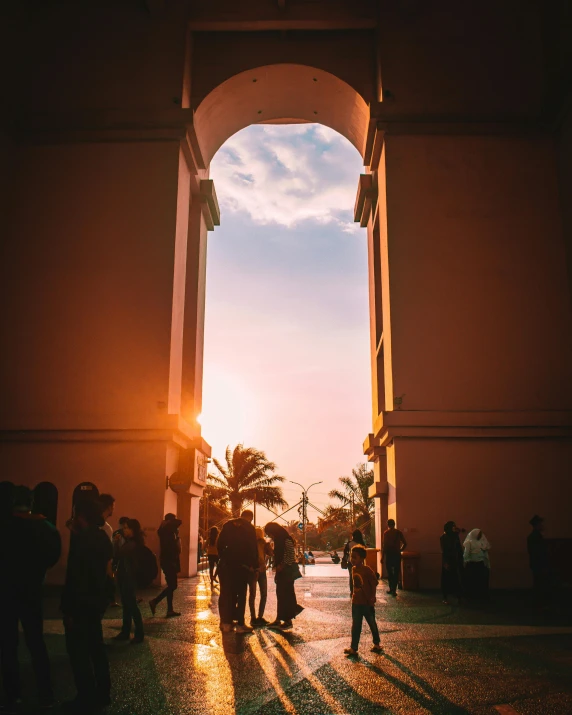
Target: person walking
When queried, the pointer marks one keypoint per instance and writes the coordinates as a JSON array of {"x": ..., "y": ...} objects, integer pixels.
[
  {"x": 238, "y": 559},
  {"x": 393, "y": 544},
  {"x": 539, "y": 563},
  {"x": 86, "y": 593},
  {"x": 170, "y": 561},
  {"x": 363, "y": 601},
  {"x": 451, "y": 561},
  {"x": 212, "y": 555},
  {"x": 259, "y": 579},
  {"x": 29, "y": 546},
  {"x": 286, "y": 573},
  {"x": 127, "y": 565},
  {"x": 477, "y": 565},
  {"x": 356, "y": 540}
]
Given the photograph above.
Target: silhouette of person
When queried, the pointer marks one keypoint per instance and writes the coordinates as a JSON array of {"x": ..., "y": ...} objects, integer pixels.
[
  {"x": 393, "y": 544},
  {"x": 170, "y": 560},
  {"x": 284, "y": 560},
  {"x": 238, "y": 559},
  {"x": 452, "y": 561},
  {"x": 538, "y": 559},
  {"x": 127, "y": 564},
  {"x": 87, "y": 592},
  {"x": 356, "y": 540},
  {"x": 29, "y": 546}
]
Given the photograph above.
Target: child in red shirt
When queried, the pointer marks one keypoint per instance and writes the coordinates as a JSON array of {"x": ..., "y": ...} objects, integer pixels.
[{"x": 363, "y": 600}]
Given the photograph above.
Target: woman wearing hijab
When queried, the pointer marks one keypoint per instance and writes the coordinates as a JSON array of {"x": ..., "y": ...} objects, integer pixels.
[
  {"x": 452, "y": 561},
  {"x": 356, "y": 540},
  {"x": 477, "y": 565},
  {"x": 284, "y": 559}
]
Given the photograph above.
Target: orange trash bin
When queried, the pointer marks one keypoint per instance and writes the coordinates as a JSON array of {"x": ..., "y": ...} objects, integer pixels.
[
  {"x": 371, "y": 559},
  {"x": 410, "y": 570}
]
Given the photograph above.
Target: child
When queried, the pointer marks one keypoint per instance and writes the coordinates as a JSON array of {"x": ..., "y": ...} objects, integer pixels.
[{"x": 363, "y": 600}]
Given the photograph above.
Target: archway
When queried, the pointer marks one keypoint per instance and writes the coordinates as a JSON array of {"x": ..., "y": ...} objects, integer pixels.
[
  {"x": 280, "y": 93},
  {"x": 286, "y": 330}
]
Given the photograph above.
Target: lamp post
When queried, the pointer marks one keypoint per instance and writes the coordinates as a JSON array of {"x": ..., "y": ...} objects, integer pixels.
[{"x": 304, "y": 515}]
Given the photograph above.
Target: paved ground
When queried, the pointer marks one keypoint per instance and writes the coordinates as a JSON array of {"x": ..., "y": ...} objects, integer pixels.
[{"x": 437, "y": 659}]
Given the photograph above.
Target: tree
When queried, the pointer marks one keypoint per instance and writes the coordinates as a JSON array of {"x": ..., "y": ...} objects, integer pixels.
[
  {"x": 354, "y": 496},
  {"x": 247, "y": 476}
]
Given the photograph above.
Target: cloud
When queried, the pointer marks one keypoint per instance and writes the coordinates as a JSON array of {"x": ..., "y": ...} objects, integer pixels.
[{"x": 288, "y": 174}]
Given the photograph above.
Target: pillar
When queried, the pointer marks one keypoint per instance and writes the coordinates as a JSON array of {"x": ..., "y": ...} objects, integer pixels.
[
  {"x": 476, "y": 417},
  {"x": 96, "y": 271}
]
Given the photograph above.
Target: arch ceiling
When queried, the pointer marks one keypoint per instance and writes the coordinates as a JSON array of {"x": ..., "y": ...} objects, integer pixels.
[{"x": 280, "y": 92}]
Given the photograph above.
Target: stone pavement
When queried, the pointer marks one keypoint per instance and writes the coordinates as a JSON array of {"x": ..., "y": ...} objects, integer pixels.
[{"x": 438, "y": 659}]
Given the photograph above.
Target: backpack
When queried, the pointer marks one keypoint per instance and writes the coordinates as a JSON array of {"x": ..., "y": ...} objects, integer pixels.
[{"x": 147, "y": 568}]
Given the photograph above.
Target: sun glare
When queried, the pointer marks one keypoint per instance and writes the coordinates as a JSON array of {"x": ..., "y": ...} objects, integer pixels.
[{"x": 229, "y": 413}]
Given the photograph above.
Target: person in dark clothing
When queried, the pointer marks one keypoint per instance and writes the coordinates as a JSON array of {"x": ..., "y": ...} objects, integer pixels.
[
  {"x": 539, "y": 563},
  {"x": 170, "y": 562},
  {"x": 284, "y": 560},
  {"x": 238, "y": 560},
  {"x": 88, "y": 590},
  {"x": 356, "y": 540},
  {"x": 127, "y": 564},
  {"x": 212, "y": 554},
  {"x": 29, "y": 546},
  {"x": 393, "y": 544},
  {"x": 451, "y": 561}
]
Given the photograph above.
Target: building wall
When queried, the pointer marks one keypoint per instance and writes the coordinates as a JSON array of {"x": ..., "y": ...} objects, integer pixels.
[
  {"x": 495, "y": 485},
  {"x": 88, "y": 275},
  {"x": 133, "y": 472},
  {"x": 480, "y": 315}
]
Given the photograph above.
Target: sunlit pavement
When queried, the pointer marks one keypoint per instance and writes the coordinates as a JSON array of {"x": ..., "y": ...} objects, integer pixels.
[{"x": 438, "y": 659}]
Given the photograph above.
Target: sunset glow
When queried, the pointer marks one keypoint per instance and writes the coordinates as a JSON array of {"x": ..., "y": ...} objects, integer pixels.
[{"x": 286, "y": 333}]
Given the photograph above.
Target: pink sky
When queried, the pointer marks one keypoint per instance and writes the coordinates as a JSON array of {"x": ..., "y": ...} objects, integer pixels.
[{"x": 287, "y": 337}]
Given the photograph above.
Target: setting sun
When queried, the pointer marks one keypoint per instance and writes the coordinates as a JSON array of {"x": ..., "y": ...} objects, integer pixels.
[{"x": 229, "y": 413}]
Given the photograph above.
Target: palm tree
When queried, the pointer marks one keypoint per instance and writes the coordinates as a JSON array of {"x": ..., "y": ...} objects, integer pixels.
[
  {"x": 247, "y": 476},
  {"x": 355, "y": 491}
]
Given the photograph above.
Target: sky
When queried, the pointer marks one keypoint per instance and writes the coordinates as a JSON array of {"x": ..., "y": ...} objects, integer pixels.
[{"x": 286, "y": 362}]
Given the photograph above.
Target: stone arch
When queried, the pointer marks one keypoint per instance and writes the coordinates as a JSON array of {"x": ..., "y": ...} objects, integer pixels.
[{"x": 280, "y": 93}]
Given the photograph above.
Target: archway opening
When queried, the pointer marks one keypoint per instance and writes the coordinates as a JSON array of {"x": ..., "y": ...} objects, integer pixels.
[{"x": 286, "y": 366}]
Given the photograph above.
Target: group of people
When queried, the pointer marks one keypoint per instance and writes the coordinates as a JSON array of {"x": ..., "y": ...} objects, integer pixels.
[
  {"x": 100, "y": 563},
  {"x": 466, "y": 569},
  {"x": 239, "y": 556}
]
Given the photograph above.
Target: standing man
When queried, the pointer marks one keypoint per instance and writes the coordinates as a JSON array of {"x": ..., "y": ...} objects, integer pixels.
[
  {"x": 538, "y": 559},
  {"x": 238, "y": 560},
  {"x": 393, "y": 544},
  {"x": 170, "y": 562},
  {"x": 29, "y": 546},
  {"x": 85, "y": 597}
]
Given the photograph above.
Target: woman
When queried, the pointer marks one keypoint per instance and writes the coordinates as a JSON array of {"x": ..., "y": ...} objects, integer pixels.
[
  {"x": 477, "y": 564},
  {"x": 127, "y": 579},
  {"x": 452, "y": 561},
  {"x": 212, "y": 553},
  {"x": 357, "y": 539},
  {"x": 284, "y": 561}
]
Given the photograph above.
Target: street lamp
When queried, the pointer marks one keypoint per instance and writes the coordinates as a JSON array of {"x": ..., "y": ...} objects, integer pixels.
[{"x": 304, "y": 515}]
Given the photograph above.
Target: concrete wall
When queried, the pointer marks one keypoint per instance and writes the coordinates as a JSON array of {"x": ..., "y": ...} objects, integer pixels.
[
  {"x": 134, "y": 472},
  {"x": 494, "y": 485},
  {"x": 480, "y": 316},
  {"x": 88, "y": 275}
]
